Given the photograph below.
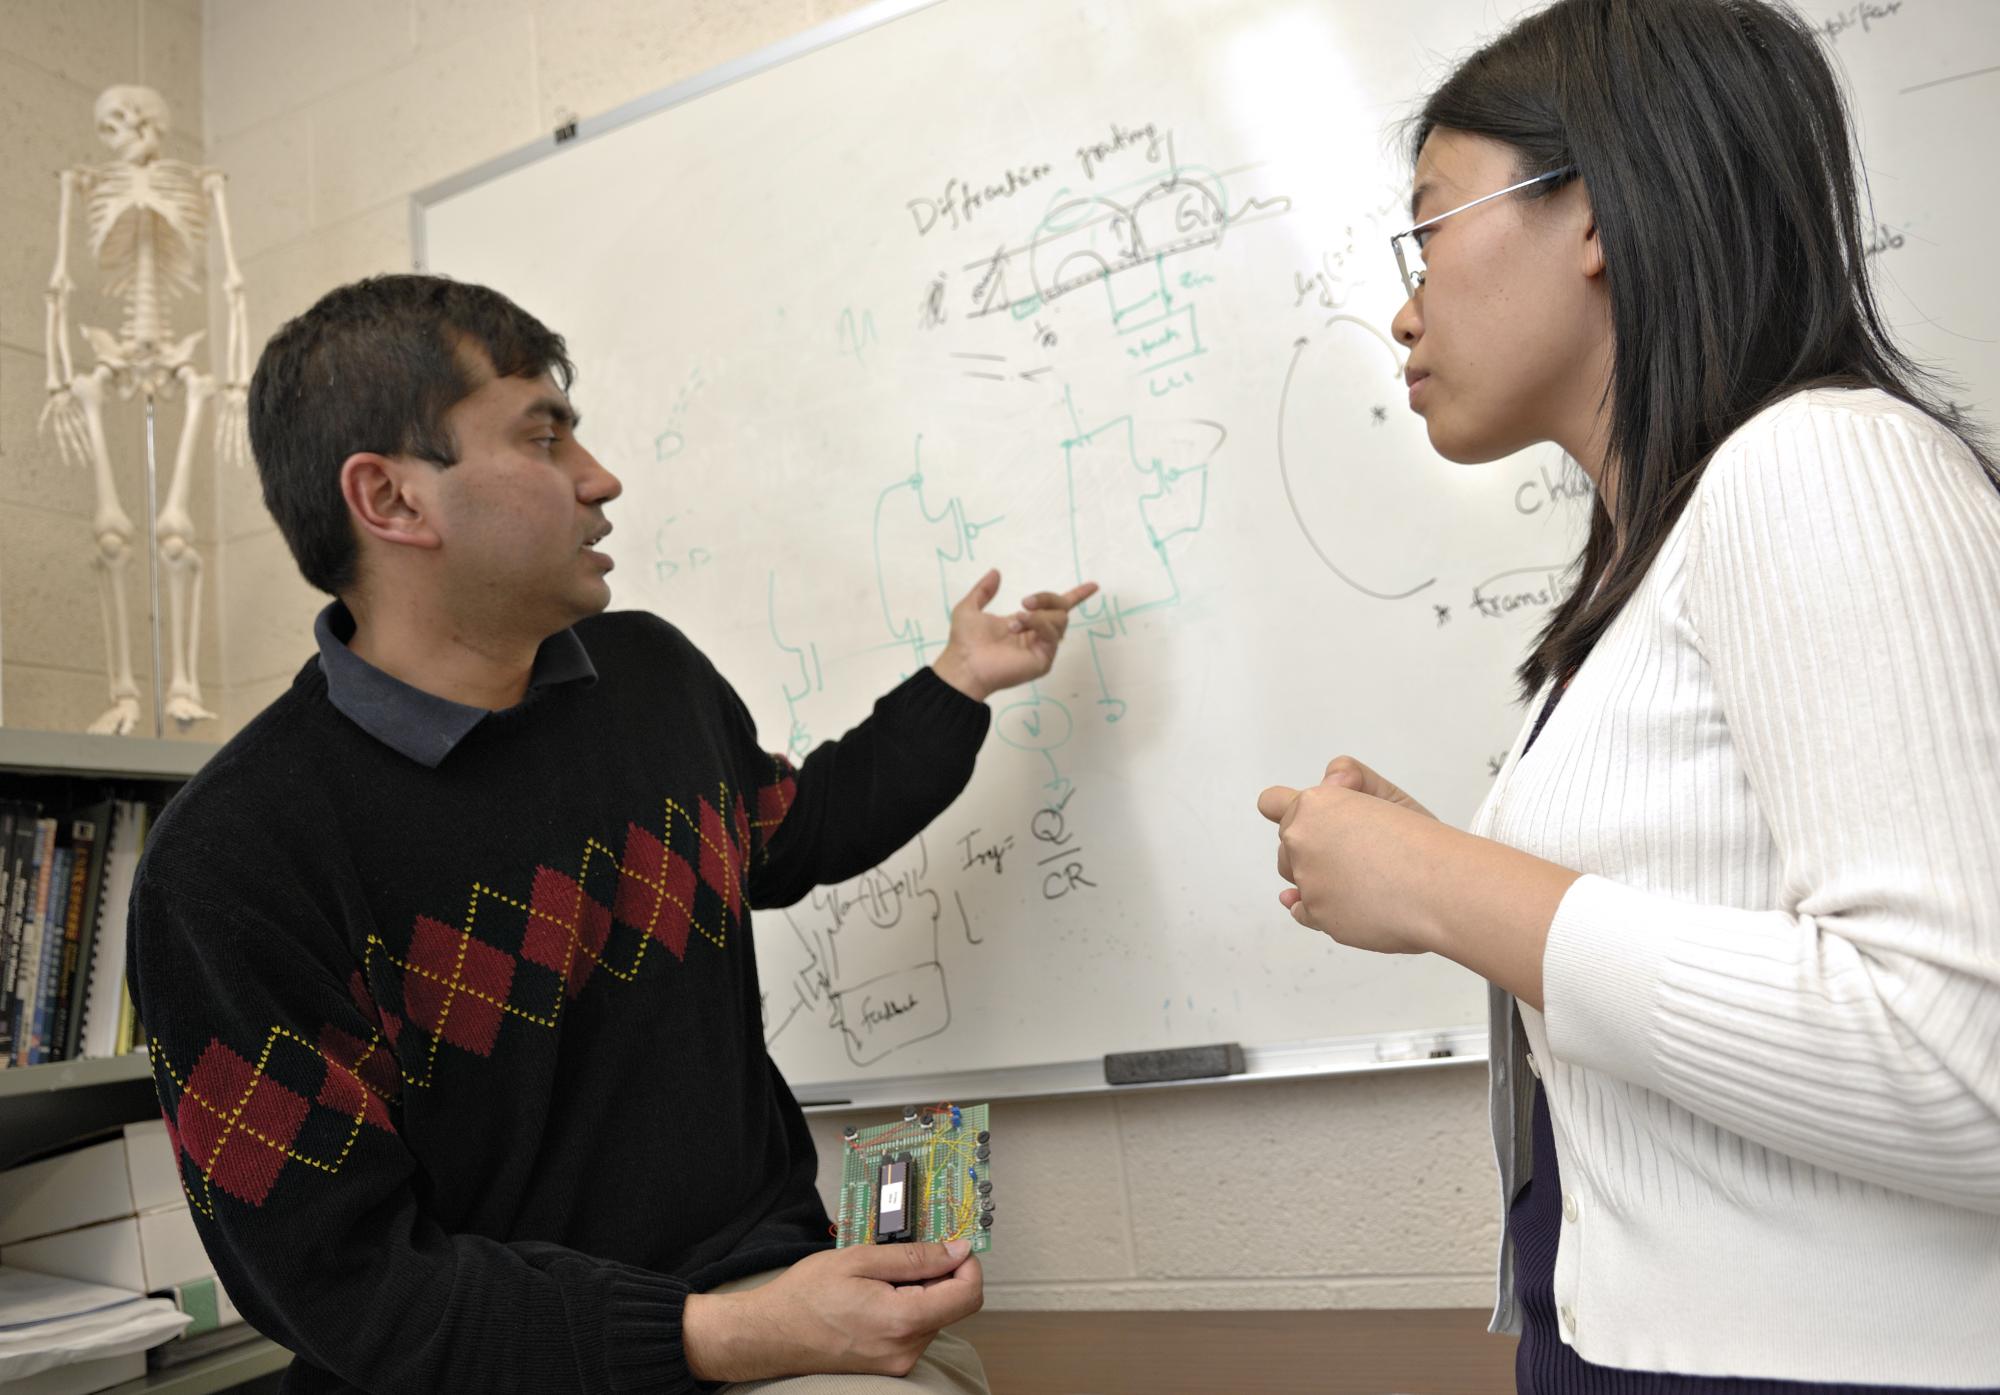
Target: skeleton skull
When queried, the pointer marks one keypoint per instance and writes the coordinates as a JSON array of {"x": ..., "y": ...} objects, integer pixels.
[{"x": 132, "y": 121}]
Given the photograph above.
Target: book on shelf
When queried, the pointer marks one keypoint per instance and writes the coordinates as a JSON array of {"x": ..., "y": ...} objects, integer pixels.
[
  {"x": 55, "y": 884},
  {"x": 25, "y": 855},
  {"x": 106, "y": 994},
  {"x": 17, "y": 844},
  {"x": 90, "y": 834},
  {"x": 128, "y": 1021},
  {"x": 65, "y": 888},
  {"x": 25, "y": 930},
  {"x": 60, "y": 966}
]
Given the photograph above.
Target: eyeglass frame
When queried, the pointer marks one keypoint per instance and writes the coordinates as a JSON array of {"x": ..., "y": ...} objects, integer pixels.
[{"x": 1414, "y": 281}]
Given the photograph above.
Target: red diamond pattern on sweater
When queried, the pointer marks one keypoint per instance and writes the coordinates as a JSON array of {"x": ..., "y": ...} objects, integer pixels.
[
  {"x": 370, "y": 1060},
  {"x": 639, "y": 871},
  {"x": 676, "y": 915},
  {"x": 551, "y": 910},
  {"x": 720, "y": 860},
  {"x": 656, "y": 890},
  {"x": 344, "y": 1094},
  {"x": 237, "y": 1123},
  {"x": 774, "y": 800},
  {"x": 455, "y": 987},
  {"x": 360, "y": 1076},
  {"x": 740, "y": 826},
  {"x": 239, "y": 1126},
  {"x": 567, "y": 929}
]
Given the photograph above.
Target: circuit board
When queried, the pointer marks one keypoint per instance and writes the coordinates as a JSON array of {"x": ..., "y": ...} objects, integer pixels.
[{"x": 927, "y": 1176}]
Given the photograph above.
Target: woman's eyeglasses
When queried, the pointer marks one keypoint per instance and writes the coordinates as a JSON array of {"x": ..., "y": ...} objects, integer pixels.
[{"x": 1413, "y": 281}]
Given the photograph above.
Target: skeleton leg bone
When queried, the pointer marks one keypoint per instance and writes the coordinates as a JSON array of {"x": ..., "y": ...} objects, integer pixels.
[
  {"x": 175, "y": 529},
  {"x": 112, "y": 530}
]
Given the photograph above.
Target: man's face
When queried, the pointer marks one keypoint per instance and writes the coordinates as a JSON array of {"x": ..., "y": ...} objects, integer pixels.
[{"x": 520, "y": 512}]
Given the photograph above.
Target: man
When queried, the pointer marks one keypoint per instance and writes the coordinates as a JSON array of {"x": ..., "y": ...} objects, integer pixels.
[{"x": 444, "y": 960}]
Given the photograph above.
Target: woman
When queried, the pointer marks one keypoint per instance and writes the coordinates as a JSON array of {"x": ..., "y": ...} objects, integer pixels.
[{"x": 1737, "y": 888}]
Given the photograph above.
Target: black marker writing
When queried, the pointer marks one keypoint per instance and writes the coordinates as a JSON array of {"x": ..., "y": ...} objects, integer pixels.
[
  {"x": 1863, "y": 15},
  {"x": 994, "y": 855},
  {"x": 959, "y": 201},
  {"x": 1091, "y": 156}
]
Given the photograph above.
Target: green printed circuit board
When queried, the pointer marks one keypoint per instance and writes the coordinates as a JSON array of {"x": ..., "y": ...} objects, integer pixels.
[{"x": 926, "y": 1177}]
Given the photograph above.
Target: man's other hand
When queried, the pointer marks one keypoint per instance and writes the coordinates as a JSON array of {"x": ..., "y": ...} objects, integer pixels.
[{"x": 869, "y": 1309}]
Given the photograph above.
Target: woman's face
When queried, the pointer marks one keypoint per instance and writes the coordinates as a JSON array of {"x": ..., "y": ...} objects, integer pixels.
[{"x": 1509, "y": 338}]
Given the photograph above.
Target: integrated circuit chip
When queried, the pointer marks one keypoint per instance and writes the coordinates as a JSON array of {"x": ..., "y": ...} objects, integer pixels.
[{"x": 896, "y": 1200}]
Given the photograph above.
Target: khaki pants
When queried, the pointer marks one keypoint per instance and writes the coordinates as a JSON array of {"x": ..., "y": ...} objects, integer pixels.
[{"x": 949, "y": 1366}]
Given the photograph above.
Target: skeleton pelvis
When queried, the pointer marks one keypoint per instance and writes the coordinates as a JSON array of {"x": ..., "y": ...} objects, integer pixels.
[{"x": 137, "y": 364}]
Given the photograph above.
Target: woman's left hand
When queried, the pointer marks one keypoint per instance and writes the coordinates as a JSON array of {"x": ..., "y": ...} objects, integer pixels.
[
  {"x": 1362, "y": 867},
  {"x": 1377, "y": 872}
]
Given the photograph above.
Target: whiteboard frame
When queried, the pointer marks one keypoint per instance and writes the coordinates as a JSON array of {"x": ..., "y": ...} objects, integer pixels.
[
  {"x": 686, "y": 90},
  {"x": 1388, "y": 1051}
]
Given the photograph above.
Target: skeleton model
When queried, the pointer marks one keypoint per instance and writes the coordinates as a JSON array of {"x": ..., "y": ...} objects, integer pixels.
[{"x": 147, "y": 227}]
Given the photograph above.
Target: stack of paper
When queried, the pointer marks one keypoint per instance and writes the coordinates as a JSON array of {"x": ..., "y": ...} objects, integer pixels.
[
  {"x": 113, "y": 1213},
  {"x": 59, "y": 1336}
]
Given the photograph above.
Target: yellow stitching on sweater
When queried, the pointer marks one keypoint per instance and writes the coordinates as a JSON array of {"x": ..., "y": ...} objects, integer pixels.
[
  {"x": 785, "y": 773},
  {"x": 206, "y": 1205},
  {"x": 457, "y": 985}
]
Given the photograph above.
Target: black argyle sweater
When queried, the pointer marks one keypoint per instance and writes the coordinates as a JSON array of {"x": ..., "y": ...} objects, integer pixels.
[{"x": 465, "y": 1066}]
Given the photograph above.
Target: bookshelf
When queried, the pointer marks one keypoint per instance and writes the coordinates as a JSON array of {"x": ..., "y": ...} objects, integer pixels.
[
  {"x": 80, "y": 756},
  {"x": 71, "y": 1075},
  {"x": 43, "y": 1106}
]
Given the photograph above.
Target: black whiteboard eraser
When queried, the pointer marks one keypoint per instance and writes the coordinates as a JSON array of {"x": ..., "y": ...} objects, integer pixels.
[{"x": 1174, "y": 1063}]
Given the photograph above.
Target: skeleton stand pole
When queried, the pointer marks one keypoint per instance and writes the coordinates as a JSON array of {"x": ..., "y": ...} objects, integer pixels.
[{"x": 153, "y": 561}]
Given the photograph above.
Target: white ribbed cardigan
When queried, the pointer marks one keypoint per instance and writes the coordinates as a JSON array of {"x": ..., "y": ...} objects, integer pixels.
[{"x": 1771, "y": 1041}]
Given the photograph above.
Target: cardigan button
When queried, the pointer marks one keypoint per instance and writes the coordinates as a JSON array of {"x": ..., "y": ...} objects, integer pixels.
[
  {"x": 1568, "y": 1316},
  {"x": 1569, "y": 1207},
  {"x": 1534, "y": 1069}
]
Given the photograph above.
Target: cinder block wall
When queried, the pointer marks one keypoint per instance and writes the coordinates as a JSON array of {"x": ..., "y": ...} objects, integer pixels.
[{"x": 1363, "y": 1191}]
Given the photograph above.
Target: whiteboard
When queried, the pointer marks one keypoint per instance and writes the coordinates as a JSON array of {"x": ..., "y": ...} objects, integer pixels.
[{"x": 1094, "y": 289}]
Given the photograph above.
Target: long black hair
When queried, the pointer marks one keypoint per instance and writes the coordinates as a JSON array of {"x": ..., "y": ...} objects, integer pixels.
[{"x": 1717, "y": 149}]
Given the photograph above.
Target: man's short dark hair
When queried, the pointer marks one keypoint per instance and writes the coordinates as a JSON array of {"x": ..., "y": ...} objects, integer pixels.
[{"x": 374, "y": 366}]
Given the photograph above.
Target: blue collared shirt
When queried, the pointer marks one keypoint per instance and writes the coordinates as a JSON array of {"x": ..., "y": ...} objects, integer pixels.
[{"x": 410, "y": 721}]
